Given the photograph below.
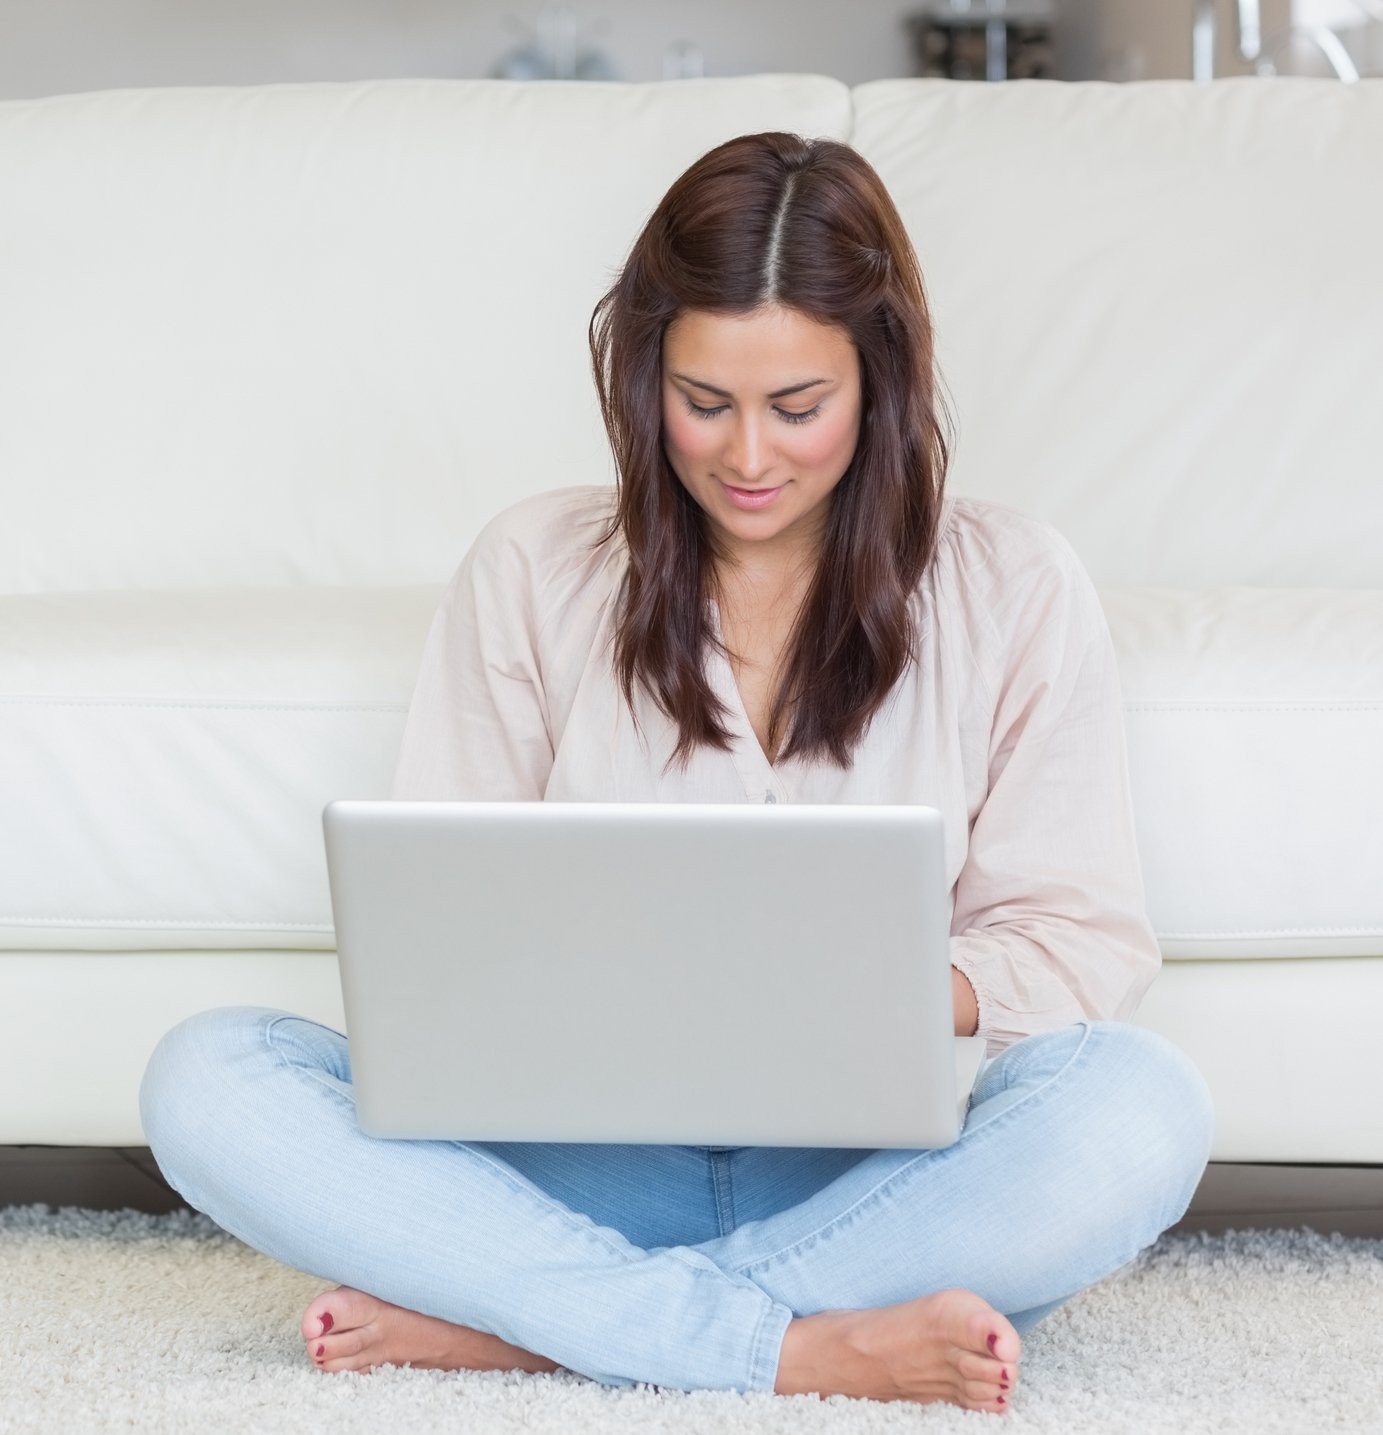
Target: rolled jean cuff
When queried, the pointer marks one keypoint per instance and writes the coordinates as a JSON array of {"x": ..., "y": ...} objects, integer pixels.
[{"x": 768, "y": 1346}]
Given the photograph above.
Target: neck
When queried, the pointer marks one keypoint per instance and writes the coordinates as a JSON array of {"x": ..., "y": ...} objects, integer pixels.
[{"x": 759, "y": 579}]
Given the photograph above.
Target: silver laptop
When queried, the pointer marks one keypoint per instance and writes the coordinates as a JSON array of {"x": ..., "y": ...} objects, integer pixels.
[{"x": 708, "y": 974}]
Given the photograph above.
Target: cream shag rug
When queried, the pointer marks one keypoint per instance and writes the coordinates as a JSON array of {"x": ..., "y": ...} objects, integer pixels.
[{"x": 118, "y": 1320}]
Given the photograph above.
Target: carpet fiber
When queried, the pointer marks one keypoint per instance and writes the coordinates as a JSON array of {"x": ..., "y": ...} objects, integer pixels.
[{"x": 117, "y": 1320}]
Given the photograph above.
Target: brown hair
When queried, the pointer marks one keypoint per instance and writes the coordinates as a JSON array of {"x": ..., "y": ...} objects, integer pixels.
[{"x": 775, "y": 219}]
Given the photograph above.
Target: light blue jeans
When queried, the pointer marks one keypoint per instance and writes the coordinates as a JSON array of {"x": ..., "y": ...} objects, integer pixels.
[{"x": 681, "y": 1266}]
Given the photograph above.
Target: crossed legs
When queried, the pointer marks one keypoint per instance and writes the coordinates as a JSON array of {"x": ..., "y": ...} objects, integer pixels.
[{"x": 678, "y": 1266}]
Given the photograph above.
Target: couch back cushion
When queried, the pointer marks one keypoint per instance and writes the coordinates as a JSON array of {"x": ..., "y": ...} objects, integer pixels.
[
  {"x": 319, "y": 333},
  {"x": 1160, "y": 312}
]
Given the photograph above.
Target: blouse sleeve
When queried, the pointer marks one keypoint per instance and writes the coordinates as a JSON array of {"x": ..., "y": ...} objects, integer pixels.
[
  {"x": 477, "y": 727},
  {"x": 1049, "y": 922}
]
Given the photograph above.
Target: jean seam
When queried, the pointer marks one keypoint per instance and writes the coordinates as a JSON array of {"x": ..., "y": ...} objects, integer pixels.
[
  {"x": 723, "y": 1190},
  {"x": 874, "y": 1194},
  {"x": 759, "y": 1371}
]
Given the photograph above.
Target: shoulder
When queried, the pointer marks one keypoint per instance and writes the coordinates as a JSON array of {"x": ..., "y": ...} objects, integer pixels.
[
  {"x": 546, "y": 525},
  {"x": 1005, "y": 575},
  {"x": 544, "y": 551},
  {"x": 990, "y": 542},
  {"x": 546, "y": 533}
]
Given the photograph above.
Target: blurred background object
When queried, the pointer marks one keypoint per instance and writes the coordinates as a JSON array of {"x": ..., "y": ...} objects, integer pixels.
[
  {"x": 984, "y": 39},
  {"x": 1344, "y": 37},
  {"x": 1313, "y": 38},
  {"x": 683, "y": 61},
  {"x": 63, "y": 46},
  {"x": 556, "y": 49}
]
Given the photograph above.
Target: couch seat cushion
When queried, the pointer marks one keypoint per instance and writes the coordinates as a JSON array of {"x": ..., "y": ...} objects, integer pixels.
[
  {"x": 165, "y": 758},
  {"x": 1255, "y": 732}
]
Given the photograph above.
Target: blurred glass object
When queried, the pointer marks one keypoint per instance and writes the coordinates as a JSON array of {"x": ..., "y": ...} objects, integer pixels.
[
  {"x": 556, "y": 49},
  {"x": 1327, "y": 42},
  {"x": 983, "y": 39},
  {"x": 683, "y": 60},
  {"x": 1315, "y": 32},
  {"x": 1336, "y": 14}
]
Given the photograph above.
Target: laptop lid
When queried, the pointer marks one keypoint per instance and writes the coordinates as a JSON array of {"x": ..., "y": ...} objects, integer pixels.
[{"x": 671, "y": 973}]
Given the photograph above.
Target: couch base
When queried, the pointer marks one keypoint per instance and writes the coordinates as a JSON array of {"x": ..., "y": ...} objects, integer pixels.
[
  {"x": 1289, "y": 1079},
  {"x": 102, "y": 1014},
  {"x": 1289, "y": 1070}
]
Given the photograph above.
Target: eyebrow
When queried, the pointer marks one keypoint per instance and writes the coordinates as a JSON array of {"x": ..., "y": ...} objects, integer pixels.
[{"x": 777, "y": 393}]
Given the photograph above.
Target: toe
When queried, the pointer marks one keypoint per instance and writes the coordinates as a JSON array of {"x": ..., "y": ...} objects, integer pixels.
[
  {"x": 313, "y": 1324},
  {"x": 991, "y": 1372},
  {"x": 972, "y": 1324},
  {"x": 983, "y": 1395},
  {"x": 336, "y": 1347},
  {"x": 339, "y": 1310},
  {"x": 346, "y": 1362},
  {"x": 992, "y": 1334},
  {"x": 352, "y": 1350}
]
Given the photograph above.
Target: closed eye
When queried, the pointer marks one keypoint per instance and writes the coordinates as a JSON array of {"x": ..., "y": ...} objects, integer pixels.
[{"x": 787, "y": 415}]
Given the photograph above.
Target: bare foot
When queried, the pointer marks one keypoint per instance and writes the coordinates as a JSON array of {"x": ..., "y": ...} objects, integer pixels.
[
  {"x": 346, "y": 1329},
  {"x": 938, "y": 1347}
]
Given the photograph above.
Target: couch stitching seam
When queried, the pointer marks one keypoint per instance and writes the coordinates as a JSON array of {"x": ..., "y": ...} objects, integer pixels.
[{"x": 192, "y": 703}]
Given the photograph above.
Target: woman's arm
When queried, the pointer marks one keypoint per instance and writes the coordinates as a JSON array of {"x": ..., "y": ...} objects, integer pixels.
[
  {"x": 966, "y": 1007},
  {"x": 1049, "y": 924},
  {"x": 477, "y": 727}
]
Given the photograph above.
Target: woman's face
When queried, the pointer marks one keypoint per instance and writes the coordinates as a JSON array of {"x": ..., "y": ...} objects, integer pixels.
[{"x": 769, "y": 403}]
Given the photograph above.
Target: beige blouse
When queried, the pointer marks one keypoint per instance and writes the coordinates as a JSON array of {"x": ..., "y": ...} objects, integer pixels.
[{"x": 1011, "y": 725}]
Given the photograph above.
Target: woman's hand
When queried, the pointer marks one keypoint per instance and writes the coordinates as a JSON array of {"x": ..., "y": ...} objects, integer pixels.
[{"x": 963, "y": 999}]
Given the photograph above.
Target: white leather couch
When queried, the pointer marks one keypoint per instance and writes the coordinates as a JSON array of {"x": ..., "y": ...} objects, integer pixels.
[{"x": 270, "y": 357}]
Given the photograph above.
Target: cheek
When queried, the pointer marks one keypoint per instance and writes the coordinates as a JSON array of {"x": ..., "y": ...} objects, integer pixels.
[
  {"x": 827, "y": 444},
  {"x": 686, "y": 436}
]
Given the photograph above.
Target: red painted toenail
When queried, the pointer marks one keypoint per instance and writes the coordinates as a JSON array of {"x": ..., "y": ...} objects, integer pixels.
[
  {"x": 320, "y": 1349},
  {"x": 993, "y": 1341},
  {"x": 1000, "y": 1399},
  {"x": 327, "y": 1321},
  {"x": 1003, "y": 1375}
]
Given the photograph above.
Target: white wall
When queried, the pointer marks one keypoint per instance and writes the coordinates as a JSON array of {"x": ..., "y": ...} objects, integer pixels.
[
  {"x": 57, "y": 46},
  {"x": 53, "y": 46}
]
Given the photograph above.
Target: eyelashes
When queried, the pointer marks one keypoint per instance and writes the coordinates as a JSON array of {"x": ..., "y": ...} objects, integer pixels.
[{"x": 786, "y": 415}]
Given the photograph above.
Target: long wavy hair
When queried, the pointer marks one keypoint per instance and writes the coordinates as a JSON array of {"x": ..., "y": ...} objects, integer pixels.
[{"x": 776, "y": 219}]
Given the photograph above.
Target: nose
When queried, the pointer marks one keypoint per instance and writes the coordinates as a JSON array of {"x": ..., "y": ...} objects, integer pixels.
[{"x": 748, "y": 453}]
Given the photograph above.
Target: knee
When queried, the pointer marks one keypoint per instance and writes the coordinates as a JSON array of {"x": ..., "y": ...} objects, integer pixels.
[
  {"x": 189, "y": 1071},
  {"x": 1163, "y": 1108}
]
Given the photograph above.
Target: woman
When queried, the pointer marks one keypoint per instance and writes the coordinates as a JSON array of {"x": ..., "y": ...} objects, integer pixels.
[{"x": 777, "y": 603}]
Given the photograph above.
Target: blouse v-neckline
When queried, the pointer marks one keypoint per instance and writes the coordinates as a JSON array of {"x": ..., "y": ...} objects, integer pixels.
[{"x": 762, "y": 780}]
